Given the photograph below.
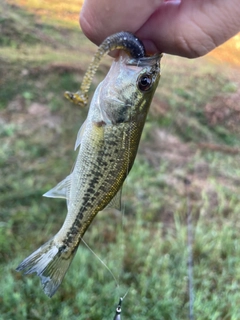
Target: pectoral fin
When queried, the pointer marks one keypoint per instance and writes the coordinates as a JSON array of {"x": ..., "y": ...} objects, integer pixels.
[
  {"x": 116, "y": 201},
  {"x": 79, "y": 135},
  {"x": 61, "y": 190}
]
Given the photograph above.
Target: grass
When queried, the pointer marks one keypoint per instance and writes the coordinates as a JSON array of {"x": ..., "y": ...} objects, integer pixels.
[{"x": 189, "y": 152}]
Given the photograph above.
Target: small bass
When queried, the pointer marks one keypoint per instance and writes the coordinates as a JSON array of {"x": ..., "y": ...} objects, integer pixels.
[{"x": 108, "y": 142}]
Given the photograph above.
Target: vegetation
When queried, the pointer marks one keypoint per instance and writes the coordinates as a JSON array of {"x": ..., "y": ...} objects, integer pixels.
[{"x": 188, "y": 164}]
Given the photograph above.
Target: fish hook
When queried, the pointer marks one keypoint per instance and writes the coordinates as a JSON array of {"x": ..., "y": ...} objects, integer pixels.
[{"x": 118, "y": 310}]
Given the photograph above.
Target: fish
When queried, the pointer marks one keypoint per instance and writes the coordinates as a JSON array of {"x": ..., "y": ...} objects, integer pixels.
[{"x": 108, "y": 142}]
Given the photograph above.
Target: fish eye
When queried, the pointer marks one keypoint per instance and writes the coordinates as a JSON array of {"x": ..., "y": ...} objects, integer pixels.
[{"x": 144, "y": 82}]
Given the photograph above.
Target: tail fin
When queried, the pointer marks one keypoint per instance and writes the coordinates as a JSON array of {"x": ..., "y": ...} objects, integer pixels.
[{"x": 50, "y": 263}]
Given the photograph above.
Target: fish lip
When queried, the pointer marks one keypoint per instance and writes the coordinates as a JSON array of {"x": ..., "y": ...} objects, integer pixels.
[{"x": 145, "y": 61}]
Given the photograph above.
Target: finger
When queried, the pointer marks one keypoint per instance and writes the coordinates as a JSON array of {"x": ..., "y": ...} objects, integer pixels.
[
  {"x": 101, "y": 18},
  {"x": 190, "y": 28}
]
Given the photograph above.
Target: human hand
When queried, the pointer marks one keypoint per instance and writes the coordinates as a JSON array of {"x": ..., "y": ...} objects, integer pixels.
[{"x": 189, "y": 28}]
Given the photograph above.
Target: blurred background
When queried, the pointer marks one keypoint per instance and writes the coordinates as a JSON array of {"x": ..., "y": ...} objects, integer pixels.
[{"x": 187, "y": 168}]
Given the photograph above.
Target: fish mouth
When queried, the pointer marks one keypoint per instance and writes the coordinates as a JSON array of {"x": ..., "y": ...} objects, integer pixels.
[{"x": 145, "y": 61}]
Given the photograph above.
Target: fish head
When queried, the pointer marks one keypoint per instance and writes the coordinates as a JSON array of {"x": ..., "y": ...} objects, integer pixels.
[{"x": 127, "y": 91}]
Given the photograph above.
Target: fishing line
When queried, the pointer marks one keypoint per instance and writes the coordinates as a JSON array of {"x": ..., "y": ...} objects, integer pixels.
[
  {"x": 109, "y": 270},
  {"x": 118, "y": 310},
  {"x": 190, "y": 254},
  {"x": 113, "y": 276},
  {"x": 125, "y": 294}
]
